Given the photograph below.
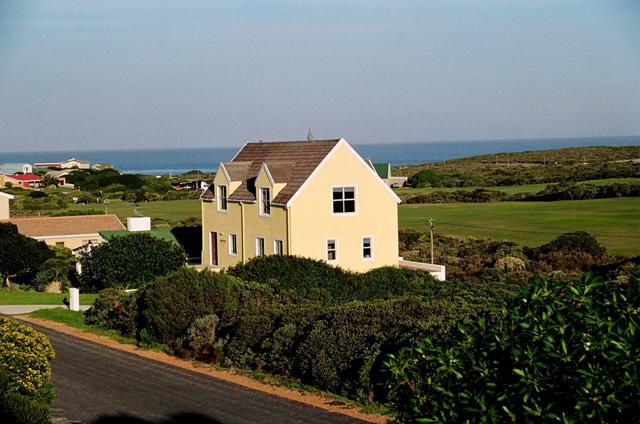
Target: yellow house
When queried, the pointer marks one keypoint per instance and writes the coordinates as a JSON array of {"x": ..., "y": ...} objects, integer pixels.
[{"x": 317, "y": 199}]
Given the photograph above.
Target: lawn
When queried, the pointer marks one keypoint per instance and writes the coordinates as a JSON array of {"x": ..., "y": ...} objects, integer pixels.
[
  {"x": 168, "y": 210},
  {"x": 76, "y": 319},
  {"x": 527, "y": 188},
  {"x": 9, "y": 297},
  {"x": 615, "y": 222}
]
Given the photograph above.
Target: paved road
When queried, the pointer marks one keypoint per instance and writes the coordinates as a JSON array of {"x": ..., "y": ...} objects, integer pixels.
[{"x": 95, "y": 384}]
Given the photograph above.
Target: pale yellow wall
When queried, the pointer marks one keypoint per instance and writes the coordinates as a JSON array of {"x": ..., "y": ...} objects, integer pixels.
[
  {"x": 313, "y": 221},
  {"x": 72, "y": 242},
  {"x": 4, "y": 208},
  {"x": 271, "y": 227}
]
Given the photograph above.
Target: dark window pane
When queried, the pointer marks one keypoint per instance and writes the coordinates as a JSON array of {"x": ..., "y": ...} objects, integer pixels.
[
  {"x": 338, "y": 207},
  {"x": 337, "y": 193},
  {"x": 349, "y": 193},
  {"x": 349, "y": 206}
]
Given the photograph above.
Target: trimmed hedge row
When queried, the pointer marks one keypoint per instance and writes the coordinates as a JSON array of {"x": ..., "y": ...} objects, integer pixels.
[{"x": 269, "y": 325}]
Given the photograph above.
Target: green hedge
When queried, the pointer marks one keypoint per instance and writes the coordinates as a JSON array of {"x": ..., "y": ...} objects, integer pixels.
[{"x": 564, "y": 352}]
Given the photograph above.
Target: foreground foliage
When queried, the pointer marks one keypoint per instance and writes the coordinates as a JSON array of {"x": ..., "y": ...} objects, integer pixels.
[
  {"x": 25, "y": 374},
  {"x": 562, "y": 352}
]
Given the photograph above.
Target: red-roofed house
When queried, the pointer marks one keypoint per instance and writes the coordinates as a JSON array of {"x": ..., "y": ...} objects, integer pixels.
[{"x": 21, "y": 180}]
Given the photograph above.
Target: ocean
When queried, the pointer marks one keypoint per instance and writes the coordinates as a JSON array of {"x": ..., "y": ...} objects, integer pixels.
[{"x": 176, "y": 161}]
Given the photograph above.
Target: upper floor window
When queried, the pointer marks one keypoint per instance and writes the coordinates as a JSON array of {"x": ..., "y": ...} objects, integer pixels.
[
  {"x": 265, "y": 201},
  {"x": 222, "y": 198},
  {"x": 344, "y": 200},
  {"x": 367, "y": 248}
]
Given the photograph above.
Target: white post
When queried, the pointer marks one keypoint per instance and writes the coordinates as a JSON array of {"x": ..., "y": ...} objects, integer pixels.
[{"x": 74, "y": 299}]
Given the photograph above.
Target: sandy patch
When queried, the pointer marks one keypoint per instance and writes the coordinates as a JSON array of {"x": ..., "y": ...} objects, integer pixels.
[{"x": 301, "y": 396}]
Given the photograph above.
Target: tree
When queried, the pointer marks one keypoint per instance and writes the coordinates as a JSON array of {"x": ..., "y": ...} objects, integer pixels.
[
  {"x": 425, "y": 178},
  {"x": 21, "y": 256},
  {"x": 129, "y": 261},
  {"x": 49, "y": 180}
]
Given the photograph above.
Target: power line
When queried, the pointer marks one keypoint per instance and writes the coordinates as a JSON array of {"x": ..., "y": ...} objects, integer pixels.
[{"x": 528, "y": 231}]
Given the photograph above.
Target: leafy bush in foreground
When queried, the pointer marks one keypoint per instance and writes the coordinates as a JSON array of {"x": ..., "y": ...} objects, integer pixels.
[{"x": 564, "y": 352}]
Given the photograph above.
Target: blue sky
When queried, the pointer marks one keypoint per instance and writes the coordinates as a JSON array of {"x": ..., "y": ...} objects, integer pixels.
[{"x": 152, "y": 73}]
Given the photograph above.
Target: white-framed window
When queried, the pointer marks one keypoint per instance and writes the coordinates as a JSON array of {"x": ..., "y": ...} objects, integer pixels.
[
  {"x": 233, "y": 244},
  {"x": 367, "y": 247},
  {"x": 332, "y": 250},
  {"x": 265, "y": 201},
  {"x": 259, "y": 246},
  {"x": 344, "y": 200},
  {"x": 222, "y": 197},
  {"x": 278, "y": 247}
]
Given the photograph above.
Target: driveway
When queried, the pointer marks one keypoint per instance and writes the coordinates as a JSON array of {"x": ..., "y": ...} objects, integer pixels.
[{"x": 96, "y": 384}]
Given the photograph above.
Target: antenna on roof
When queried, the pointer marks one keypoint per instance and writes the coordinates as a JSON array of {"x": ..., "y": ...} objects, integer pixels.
[{"x": 309, "y": 135}]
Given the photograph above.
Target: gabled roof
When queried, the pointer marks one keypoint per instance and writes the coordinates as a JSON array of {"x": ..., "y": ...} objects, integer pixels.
[
  {"x": 66, "y": 225},
  {"x": 290, "y": 162},
  {"x": 382, "y": 169}
]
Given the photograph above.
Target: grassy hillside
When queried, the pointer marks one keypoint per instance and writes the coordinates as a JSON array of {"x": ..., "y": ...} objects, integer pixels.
[
  {"x": 614, "y": 221},
  {"x": 534, "y": 167}
]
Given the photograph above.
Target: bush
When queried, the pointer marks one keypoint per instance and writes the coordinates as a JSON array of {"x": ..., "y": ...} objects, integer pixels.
[
  {"x": 562, "y": 352},
  {"x": 115, "y": 310},
  {"x": 171, "y": 304},
  {"x": 572, "y": 242},
  {"x": 19, "y": 409},
  {"x": 21, "y": 256},
  {"x": 425, "y": 178},
  {"x": 129, "y": 261},
  {"x": 202, "y": 338},
  {"x": 309, "y": 279},
  {"x": 24, "y": 355}
]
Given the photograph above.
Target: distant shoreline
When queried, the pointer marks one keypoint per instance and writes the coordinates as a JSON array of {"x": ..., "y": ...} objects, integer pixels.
[{"x": 177, "y": 161}]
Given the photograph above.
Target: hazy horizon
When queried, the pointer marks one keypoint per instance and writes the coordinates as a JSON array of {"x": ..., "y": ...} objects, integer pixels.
[{"x": 159, "y": 74}]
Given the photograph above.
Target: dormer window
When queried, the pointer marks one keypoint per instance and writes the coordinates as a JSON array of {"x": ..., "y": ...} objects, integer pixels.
[
  {"x": 265, "y": 201},
  {"x": 222, "y": 198}
]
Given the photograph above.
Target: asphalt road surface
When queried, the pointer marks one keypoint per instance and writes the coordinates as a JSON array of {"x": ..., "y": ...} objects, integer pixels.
[{"x": 95, "y": 384}]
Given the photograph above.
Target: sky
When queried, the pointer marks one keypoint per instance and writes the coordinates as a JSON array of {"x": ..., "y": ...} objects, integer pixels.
[{"x": 117, "y": 74}]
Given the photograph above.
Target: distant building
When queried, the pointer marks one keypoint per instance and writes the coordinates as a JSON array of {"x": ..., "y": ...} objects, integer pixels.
[
  {"x": 16, "y": 168},
  {"x": 71, "y": 163},
  {"x": 317, "y": 199},
  {"x": 21, "y": 180},
  {"x": 384, "y": 171},
  {"x": 102, "y": 166},
  {"x": 190, "y": 185},
  {"x": 72, "y": 232}
]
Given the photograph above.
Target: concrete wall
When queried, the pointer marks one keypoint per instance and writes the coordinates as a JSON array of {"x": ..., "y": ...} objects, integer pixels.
[{"x": 313, "y": 222}]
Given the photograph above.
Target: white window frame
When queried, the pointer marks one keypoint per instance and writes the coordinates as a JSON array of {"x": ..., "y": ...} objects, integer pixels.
[
  {"x": 233, "y": 244},
  {"x": 275, "y": 247},
  {"x": 355, "y": 200},
  {"x": 370, "y": 258},
  {"x": 261, "y": 205},
  {"x": 219, "y": 198},
  {"x": 258, "y": 239},
  {"x": 326, "y": 248}
]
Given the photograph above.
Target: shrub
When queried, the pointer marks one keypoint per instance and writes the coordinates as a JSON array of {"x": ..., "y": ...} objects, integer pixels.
[
  {"x": 171, "y": 304},
  {"x": 129, "y": 261},
  {"x": 24, "y": 355},
  {"x": 567, "y": 352},
  {"x": 21, "y": 256},
  {"x": 115, "y": 310},
  {"x": 18, "y": 409},
  {"x": 202, "y": 338},
  {"x": 572, "y": 242},
  {"x": 425, "y": 178}
]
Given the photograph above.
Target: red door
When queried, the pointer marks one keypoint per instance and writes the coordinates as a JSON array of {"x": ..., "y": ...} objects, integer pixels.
[{"x": 213, "y": 243}]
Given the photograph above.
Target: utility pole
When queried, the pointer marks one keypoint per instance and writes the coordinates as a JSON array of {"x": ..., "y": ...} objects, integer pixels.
[{"x": 431, "y": 234}]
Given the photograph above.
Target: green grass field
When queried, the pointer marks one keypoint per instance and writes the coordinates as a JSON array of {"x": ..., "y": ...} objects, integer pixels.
[
  {"x": 534, "y": 223},
  {"x": 528, "y": 188},
  {"x": 76, "y": 319},
  {"x": 168, "y": 210},
  {"x": 8, "y": 297}
]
